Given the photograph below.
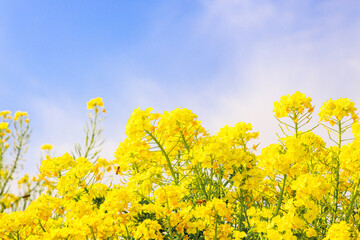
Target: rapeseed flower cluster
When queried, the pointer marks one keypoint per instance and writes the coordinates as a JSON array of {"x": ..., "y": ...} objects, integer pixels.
[
  {"x": 171, "y": 179},
  {"x": 293, "y": 105},
  {"x": 96, "y": 102},
  {"x": 335, "y": 110}
]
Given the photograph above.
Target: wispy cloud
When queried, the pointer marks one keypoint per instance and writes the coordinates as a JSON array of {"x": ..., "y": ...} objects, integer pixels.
[
  {"x": 317, "y": 56},
  {"x": 231, "y": 15}
]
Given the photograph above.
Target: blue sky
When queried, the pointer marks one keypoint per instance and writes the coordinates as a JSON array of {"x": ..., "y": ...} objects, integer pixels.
[{"x": 227, "y": 60}]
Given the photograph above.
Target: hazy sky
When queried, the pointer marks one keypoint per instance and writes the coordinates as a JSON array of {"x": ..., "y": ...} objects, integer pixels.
[{"x": 226, "y": 60}]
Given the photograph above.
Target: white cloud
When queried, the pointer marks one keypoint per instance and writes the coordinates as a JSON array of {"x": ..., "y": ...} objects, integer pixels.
[
  {"x": 58, "y": 123},
  {"x": 234, "y": 15},
  {"x": 144, "y": 92},
  {"x": 320, "y": 60}
]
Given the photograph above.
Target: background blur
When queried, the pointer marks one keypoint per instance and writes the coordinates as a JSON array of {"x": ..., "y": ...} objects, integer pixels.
[{"x": 226, "y": 60}]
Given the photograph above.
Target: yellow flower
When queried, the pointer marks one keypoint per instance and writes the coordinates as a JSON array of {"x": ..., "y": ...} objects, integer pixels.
[
  {"x": 19, "y": 114},
  {"x": 5, "y": 113},
  {"x": 24, "y": 179},
  {"x": 239, "y": 235},
  {"x": 339, "y": 109},
  {"x": 296, "y": 103},
  {"x": 273, "y": 234},
  {"x": 46, "y": 147},
  {"x": 8, "y": 199},
  {"x": 311, "y": 233},
  {"x": 342, "y": 230},
  {"x": 148, "y": 229},
  {"x": 4, "y": 125},
  {"x": 95, "y": 102},
  {"x": 356, "y": 130}
]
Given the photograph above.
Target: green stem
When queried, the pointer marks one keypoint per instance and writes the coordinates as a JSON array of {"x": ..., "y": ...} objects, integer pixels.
[
  {"x": 168, "y": 220},
  {"x": 297, "y": 126},
  {"x": 185, "y": 143},
  {"x": 244, "y": 208},
  {"x": 2, "y": 151},
  {"x": 17, "y": 158},
  {"x": 92, "y": 231},
  {"x": 339, "y": 144},
  {"x": 220, "y": 185},
  {"x": 42, "y": 227},
  {"x": 89, "y": 146},
  {"x": 215, "y": 238},
  {"x": 127, "y": 232},
  {"x": 280, "y": 197},
  {"x": 352, "y": 200},
  {"x": 239, "y": 219},
  {"x": 202, "y": 185},
  {"x": 337, "y": 173},
  {"x": 166, "y": 157}
]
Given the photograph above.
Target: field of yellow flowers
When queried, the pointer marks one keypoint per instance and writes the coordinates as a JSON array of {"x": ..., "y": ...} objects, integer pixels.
[{"x": 171, "y": 179}]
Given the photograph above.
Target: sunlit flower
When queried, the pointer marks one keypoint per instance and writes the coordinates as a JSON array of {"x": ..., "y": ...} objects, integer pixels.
[
  {"x": 95, "y": 102},
  {"x": 337, "y": 109},
  {"x": 19, "y": 114},
  {"x": 294, "y": 104},
  {"x": 4, "y": 125},
  {"x": 5, "y": 114},
  {"x": 47, "y": 147}
]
